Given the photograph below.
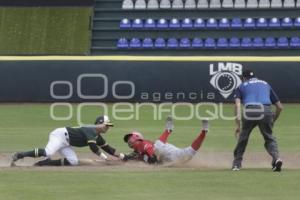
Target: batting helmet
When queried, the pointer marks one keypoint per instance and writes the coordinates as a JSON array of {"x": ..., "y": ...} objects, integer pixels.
[{"x": 133, "y": 136}]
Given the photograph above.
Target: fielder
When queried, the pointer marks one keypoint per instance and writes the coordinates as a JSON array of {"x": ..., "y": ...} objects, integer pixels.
[
  {"x": 62, "y": 139},
  {"x": 160, "y": 151}
]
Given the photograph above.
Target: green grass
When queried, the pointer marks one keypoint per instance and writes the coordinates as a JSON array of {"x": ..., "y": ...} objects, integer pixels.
[
  {"x": 24, "y": 126},
  {"x": 44, "y": 30}
]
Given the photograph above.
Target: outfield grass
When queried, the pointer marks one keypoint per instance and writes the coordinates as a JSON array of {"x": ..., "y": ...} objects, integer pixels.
[{"x": 24, "y": 126}]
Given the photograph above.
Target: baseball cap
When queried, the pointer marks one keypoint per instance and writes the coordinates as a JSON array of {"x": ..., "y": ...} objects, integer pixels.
[
  {"x": 248, "y": 73},
  {"x": 103, "y": 120}
]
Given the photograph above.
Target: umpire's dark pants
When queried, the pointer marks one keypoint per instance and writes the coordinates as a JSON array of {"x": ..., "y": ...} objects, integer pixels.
[{"x": 265, "y": 124}]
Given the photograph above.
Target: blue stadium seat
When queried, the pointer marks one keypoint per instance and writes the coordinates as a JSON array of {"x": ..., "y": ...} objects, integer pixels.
[
  {"x": 150, "y": 23},
  {"x": 185, "y": 43},
  {"x": 172, "y": 43},
  {"x": 274, "y": 22},
  {"x": 199, "y": 23},
  {"x": 125, "y": 23},
  {"x": 222, "y": 43},
  {"x": 224, "y": 23},
  {"x": 187, "y": 23},
  {"x": 258, "y": 43},
  {"x": 236, "y": 23},
  {"x": 197, "y": 43},
  {"x": 174, "y": 23},
  {"x": 160, "y": 43},
  {"x": 212, "y": 23},
  {"x": 122, "y": 43},
  {"x": 270, "y": 42},
  {"x": 162, "y": 24},
  {"x": 137, "y": 24},
  {"x": 210, "y": 43},
  {"x": 295, "y": 42},
  {"x": 249, "y": 23},
  {"x": 287, "y": 22},
  {"x": 262, "y": 23},
  {"x": 246, "y": 43},
  {"x": 147, "y": 43},
  {"x": 283, "y": 42},
  {"x": 234, "y": 42},
  {"x": 297, "y": 22},
  {"x": 135, "y": 43}
]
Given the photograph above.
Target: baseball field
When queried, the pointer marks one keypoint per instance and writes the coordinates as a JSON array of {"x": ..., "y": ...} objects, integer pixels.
[{"x": 207, "y": 176}]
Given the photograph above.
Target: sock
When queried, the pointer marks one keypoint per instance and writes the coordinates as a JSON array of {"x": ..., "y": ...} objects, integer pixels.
[
  {"x": 198, "y": 141},
  {"x": 164, "y": 136},
  {"x": 34, "y": 153}
]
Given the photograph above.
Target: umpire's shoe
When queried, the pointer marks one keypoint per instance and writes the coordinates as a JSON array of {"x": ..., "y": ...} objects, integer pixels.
[
  {"x": 277, "y": 165},
  {"x": 17, "y": 156}
]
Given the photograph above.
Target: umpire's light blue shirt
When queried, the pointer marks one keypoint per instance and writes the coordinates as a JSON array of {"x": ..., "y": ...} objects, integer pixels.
[{"x": 255, "y": 91}]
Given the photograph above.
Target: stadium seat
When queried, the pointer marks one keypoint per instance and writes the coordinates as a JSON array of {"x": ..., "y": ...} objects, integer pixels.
[
  {"x": 252, "y": 4},
  {"x": 270, "y": 42},
  {"x": 239, "y": 4},
  {"x": 147, "y": 43},
  {"x": 246, "y": 43},
  {"x": 153, "y": 4},
  {"x": 295, "y": 42},
  {"x": 160, "y": 43},
  {"x": 190, "y": 4},
  {"x": 127, "y": 4},
  {"x": 165, "y": 4},
  {"x": 276, "y": 3},
  {"x": 258, "y": 43},
  {"x": 236, "y": 23},
  {"x": 297, "y": 22},
  {"x": 137, "y": 24},
  {"x": 150, "y": 23},
  {"x": 211, "y": 23},
  {"x": 202, "y": 4},
  {"x": 262, "y": 23},
  {"x": 234, "y": 42},
  {"x": 227, "y": 4},
  {"x": 172, "y": 43},
  {"x": 187, "y": 23},
  {"x": 287, "y": 22},
  {"x": 177, "y": 4},
  {"x": 135, "y": 43},
  {"x": 224, "y": 23},
  {"x": 162, "y": 23},
  {"x": 283, "y": 42},
  {"x": 222, "y": 43},
  {"x": 264, "y": 4},
  {"x": 274, "y": 22},
  {"x": 174, "y": 23},
  {"x": 215, "y": 4},
  {"x": 210, "y": 43},
  {"x": 199, "y": 23},
  {"x": 122, "y": 43},
  {"x": 125, "y": 23},
  {"x": 249, "y": 23},
  {"x": 185, "y": 43},
  {"x": 197, "y": 43},
  {"x": 140, "y": 5},
  {"x": 289, "y": 3}
]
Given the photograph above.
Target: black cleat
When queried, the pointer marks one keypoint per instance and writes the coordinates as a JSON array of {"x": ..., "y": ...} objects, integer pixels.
[{"x": 277, "y": 165}]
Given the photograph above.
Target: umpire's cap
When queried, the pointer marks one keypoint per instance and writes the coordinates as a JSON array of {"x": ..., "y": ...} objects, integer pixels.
[
  {"x": 103, "y": 120},
  {"x": 248, "y": 74}
]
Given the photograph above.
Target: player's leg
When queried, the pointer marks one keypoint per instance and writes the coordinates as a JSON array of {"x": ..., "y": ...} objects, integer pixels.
[
  {"x": 70, "y": 156},
  {"x": 200, "y": 138},
  {"x": 169, "y": 128},
  {"x": 266, "y": 129}
]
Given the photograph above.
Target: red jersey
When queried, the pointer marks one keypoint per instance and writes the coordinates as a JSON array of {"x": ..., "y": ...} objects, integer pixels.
[{"x": 144, "y": 147}]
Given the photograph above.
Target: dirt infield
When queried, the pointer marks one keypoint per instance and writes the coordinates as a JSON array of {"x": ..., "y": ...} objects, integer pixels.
[{"x": 203, "y": 160}]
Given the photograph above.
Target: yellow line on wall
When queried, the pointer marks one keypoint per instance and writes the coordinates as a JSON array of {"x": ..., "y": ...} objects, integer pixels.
[{"x": 155, "y": 58}]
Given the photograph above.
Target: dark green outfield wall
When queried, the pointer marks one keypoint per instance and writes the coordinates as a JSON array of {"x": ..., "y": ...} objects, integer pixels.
[{"x": 45, "y": 30}]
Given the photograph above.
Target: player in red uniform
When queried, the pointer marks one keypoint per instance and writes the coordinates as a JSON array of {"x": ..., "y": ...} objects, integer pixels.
[{"x": 160, "y": 151}]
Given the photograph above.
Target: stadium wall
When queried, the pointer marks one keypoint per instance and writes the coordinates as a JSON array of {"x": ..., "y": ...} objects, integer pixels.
[{"x": 140, "y": 79}]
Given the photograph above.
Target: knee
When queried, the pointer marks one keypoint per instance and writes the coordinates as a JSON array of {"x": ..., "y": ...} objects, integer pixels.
[{"x": 71, "y": 161}]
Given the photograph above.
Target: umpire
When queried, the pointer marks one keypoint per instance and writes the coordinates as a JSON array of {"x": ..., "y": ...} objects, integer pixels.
[{"x": 256, "y": 96}]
